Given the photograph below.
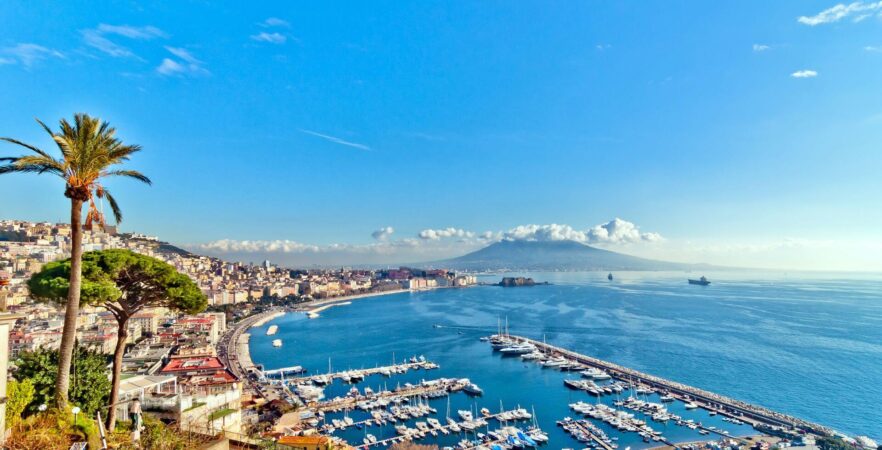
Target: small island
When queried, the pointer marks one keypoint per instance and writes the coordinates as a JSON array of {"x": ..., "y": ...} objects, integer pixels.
[{"x": 520, "y": 281}]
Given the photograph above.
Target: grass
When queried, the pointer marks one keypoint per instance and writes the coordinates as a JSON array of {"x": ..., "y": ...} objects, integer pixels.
[
  {"x": 194, "y": 406},
  {"x": 220, "y": 413}
]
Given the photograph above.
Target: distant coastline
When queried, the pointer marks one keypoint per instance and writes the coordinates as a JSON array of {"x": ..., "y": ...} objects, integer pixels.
[{"x": 315, "y": 307}]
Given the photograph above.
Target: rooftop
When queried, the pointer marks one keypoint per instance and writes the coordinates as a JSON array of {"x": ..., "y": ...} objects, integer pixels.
[{"x": 193, "y": 364}]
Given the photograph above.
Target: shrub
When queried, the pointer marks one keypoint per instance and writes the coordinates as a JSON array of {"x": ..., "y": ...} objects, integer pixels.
[{"x": 19, "y": 394}]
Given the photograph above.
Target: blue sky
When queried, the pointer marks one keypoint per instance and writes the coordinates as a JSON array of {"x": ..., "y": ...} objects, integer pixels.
[{"x": 746, "y": 133}]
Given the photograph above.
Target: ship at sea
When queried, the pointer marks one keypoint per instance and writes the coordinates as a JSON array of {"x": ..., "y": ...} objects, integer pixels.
[
  {"x": 701, "y": 281},
  {"x": 277, "y": 343},
  {"x": 272, "y": 330}
]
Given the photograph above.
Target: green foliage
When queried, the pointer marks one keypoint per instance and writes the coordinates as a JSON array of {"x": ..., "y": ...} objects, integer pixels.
[
  {"x": 833, "y": 443},
  {"x": 89, "y": 388},
  {"x": 39, "y": 367},
  {"x": 159, "y": 436},
  {"x": 19, "y": 394},
  {"x": 111, "y": 276}
]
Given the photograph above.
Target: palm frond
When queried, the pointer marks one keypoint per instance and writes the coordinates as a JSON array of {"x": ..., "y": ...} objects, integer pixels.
[
  {"x": 129, "y": 173},
  {"x": 117, "y": 213},
  {"x": 28, "y": 168},
  {"x": 25, "y": 145}
]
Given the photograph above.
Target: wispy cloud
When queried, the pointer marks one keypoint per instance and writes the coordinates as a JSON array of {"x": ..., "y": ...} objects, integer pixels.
[
  {"x": 144, "y": 33},
  {"x": 858, "y": 10},
  {"x": 875, "y": 49},
  {"x": 27, "y": 54},
  {"x": 98, "y": 39},
  {"x": 760, "y": 47},
  {"x": 804, "y": 74},
  {"x": 334, "y": 139},
  {"x": 273, "y": 38},
  {"x": 275, "y": 22},
  {"x": 602, "y": 47},
  {"x": 186, "y": 64}
]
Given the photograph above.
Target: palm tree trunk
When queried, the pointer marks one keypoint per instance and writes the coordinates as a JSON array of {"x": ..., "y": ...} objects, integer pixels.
[
  {"x": 122, "y": 334},
  {"x": 69, "y": 334}
]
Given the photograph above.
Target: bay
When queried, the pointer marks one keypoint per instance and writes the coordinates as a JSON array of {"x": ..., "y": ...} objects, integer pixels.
[{"x": 809, "y": 345}]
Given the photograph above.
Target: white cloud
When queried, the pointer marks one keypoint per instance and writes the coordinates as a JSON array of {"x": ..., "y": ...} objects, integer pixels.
[
  {"x": 427, "y": 245},
  {"x": 614, "y": 232},
  {"x": 273, "y": 38},
  {"x": 760, "y": 47},
  {"x": 187, "y": 64},
  {"x": 871, "y": 48},
  {"x": 618, "y": 231},
  {"x": 97, "y": 38},
  {"x": 804, "y": 74},
  {"x": 383, "y": 234},
  {"x": 275, "y": 22},
  {"x": 434, "y": 235},
  {"x": 28, "y": 54},
  {"x": 841, "y": 11},
  {"x": 276, "y": 246},
  {"x": 334, "y": 139}
]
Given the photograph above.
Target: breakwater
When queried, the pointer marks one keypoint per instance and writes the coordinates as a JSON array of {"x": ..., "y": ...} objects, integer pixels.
[{"x": 754, "y": 414}]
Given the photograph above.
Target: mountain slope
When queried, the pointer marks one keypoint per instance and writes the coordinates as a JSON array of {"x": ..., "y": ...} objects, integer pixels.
[{"x": 553, "y": 255}]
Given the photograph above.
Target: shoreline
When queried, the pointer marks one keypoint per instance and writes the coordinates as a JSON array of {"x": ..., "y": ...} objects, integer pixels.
[
  {"x": 772, "y": 440},
  {"x": 315, "y": 307}
]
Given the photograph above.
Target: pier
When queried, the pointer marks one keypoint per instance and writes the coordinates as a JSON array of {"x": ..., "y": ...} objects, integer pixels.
[
  {"x": 361, "y": 373},
  {"x": 350, "y": 402},
  {"x": 415, "y": 434},
  {"x": 591, "y": 435},
  {"x": 749, "y": 413},
  {"x": 293, "y": 370}
]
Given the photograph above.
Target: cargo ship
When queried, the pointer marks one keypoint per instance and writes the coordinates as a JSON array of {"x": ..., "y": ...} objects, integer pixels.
[{"x": 701, "y": 281}]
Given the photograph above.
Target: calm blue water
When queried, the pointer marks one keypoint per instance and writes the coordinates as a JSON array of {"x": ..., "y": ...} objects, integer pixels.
[{"x": 811, "y": 347}]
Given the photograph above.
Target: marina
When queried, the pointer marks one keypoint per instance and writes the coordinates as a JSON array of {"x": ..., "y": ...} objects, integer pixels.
[
  {"x": 634, "y": 382},
  {"x": 538, "y": 378}
]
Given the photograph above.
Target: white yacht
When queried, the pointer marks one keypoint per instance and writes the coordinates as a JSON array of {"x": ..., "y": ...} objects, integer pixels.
[
  {"x": 277, "y": 343},
  {"x": 518, "y": 349}
]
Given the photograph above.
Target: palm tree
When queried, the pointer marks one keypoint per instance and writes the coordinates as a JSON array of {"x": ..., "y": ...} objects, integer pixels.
[{"x": 88, "y": 151}]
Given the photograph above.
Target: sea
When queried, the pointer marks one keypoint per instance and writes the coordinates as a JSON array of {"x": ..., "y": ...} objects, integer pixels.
[{"x": 805, "y": 344}]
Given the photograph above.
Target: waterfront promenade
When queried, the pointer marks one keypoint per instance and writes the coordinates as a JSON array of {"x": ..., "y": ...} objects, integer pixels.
[{"x": 753, "y": 414}]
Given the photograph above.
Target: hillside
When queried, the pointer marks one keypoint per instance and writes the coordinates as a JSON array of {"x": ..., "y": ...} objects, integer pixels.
[{"x": 554, "y": 256}]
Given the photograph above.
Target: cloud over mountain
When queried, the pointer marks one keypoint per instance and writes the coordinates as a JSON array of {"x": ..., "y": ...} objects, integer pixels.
[{"x": 616, "y": 231}]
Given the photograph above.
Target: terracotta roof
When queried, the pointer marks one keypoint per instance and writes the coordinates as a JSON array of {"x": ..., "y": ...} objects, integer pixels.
[{"x": 192, "y": 364}]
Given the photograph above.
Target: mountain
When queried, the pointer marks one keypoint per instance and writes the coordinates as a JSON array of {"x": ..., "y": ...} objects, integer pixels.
[{"x": 554, "y": 256}]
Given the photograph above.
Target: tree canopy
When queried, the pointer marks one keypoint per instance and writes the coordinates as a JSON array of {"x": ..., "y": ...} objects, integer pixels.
[
  {"x": 90, "y": 386},
  {"x": 122, "y": 281}
]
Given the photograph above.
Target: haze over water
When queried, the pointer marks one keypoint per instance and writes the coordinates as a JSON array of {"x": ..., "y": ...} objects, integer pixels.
[{"x": 810, "y": 347}]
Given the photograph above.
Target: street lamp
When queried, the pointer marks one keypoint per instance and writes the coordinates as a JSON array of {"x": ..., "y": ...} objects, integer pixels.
[{"x": 75, "y": 410}]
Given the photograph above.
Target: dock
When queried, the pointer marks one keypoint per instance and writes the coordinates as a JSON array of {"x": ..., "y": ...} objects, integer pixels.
[
  {"x": 593, "y": 437},
  {"x": 391, "y": 370},
  {"x": 293, "y": 370},
  {"x": 349, "y": 402},
  {"x": 749, "y": 413},
  {"x": 415, "y": 434}
]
